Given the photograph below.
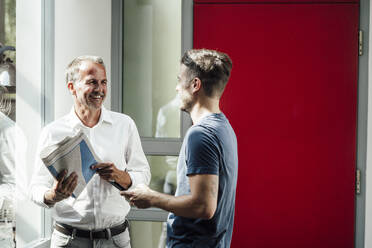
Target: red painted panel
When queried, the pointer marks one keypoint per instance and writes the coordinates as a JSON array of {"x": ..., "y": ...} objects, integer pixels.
[
  {"x": 275, "y": 1},
  {"x": 292, "y": 102}
]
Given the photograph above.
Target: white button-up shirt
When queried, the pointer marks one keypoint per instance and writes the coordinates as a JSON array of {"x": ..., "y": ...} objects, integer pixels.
[{"x": 114, "y": 139}]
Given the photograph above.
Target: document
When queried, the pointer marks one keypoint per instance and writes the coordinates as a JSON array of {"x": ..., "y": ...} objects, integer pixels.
[{"x": 74, "y": 154}]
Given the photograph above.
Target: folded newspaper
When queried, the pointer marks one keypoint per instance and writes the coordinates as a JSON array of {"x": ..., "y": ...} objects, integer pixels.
[{"x": 73, "y": 154}]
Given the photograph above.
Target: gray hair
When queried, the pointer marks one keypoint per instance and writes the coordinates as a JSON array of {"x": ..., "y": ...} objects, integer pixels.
[{"x": 72, "y": 70}]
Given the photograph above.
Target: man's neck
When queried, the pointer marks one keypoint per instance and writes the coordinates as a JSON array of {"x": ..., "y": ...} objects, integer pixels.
[
  {"x": 204, "y": 108},
  {"x": 89, "y": 117}
]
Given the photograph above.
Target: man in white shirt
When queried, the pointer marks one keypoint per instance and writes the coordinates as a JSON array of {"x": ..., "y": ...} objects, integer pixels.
[{"x": 97, "y": 217}]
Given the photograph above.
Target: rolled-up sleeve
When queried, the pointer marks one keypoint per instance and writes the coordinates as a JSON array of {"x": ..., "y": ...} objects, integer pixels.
[
  {"x": 137, "y": 165},
  {"x": 41, "y": 180}
]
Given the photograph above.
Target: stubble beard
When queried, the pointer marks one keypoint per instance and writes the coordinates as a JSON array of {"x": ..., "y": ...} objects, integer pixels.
[
  {"x": 92, "y": 104},
  {"x": 187, "y": 103}
]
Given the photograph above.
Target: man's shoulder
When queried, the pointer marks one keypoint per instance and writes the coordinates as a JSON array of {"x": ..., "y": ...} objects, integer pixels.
[
  {"x": 199, "y": 134},
  {"x": 200, "y": 131},
  {"x": 62, "y": 121},
  {"x": 119, "y": 117},
  {"x": 59, "y": 127}
]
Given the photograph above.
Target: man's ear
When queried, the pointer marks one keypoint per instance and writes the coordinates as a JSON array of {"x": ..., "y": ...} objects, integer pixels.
[
  {"x": 71, "y": 88},
  {"x": 196, "y": 84}
]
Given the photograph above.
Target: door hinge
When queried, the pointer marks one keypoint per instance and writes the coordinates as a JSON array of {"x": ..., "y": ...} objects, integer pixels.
[
  {"x": 360, "y": 42},
  {"x": 357, "y": 182}
]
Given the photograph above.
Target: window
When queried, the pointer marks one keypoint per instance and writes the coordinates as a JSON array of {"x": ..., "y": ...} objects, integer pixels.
[
  {"x": 155, "y": 233},
  {"x": 7, "y": 57},
  {"x": 151, "y": 54},
  {"x": 7, "y": 125},
  {"x": 153, "y": 35}
]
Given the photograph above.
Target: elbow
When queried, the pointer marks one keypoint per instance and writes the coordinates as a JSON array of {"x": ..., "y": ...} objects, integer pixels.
[
  {"x": 208, "y": 215},
  {"x": 207, "y": 212}
]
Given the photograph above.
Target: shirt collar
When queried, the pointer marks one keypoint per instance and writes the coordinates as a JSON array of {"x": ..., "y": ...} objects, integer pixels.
[{"x": 104, "y": 117}]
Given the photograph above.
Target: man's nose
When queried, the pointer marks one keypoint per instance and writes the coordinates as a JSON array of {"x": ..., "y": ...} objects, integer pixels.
[{"x": 99, "y": 87}]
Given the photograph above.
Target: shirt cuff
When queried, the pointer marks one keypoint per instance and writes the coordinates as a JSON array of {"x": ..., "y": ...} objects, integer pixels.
[
  {"x": 132, "y": 178},
  {"x": 38, "y": 197}
]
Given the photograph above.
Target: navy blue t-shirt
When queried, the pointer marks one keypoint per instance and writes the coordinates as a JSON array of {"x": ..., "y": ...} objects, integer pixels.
[{"x": 210, "y": 147}]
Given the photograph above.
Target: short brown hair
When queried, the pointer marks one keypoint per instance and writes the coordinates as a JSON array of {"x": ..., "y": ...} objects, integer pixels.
[{"x": 211, "y": 67}]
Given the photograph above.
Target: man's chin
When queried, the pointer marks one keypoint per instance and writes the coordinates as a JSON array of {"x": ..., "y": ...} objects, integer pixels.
[
  {"x": 95, "y": 106},
  {"x": 184, "y": 109}
]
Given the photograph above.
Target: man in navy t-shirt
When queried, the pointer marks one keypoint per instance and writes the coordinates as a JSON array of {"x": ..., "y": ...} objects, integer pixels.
[{"x": 202, "y": 210}]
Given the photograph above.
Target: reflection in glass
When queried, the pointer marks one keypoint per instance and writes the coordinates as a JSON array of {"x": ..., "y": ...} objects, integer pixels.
[
  {"x": 163, "y": 173},
  {"x": 8, "y": 129},
  {"x": 152, "y": 50},
  {"x": 7, "y": 180},
  {"x": 163, "y": 179},
  {"x": 7, "y": 164},
  {"x": 152, "y": 231}
]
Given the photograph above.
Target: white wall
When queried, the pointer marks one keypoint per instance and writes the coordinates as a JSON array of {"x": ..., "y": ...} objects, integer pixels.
[
  {"x": 82, "y": 27},
  {"x": 28, "y": 19}
]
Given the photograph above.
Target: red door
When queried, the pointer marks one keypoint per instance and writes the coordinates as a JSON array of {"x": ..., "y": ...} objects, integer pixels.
[{"x": 292, "y": 102}]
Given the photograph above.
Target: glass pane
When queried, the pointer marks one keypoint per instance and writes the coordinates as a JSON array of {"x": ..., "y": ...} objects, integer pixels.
[
  {"x": 152, "y": 50},
  {"x": 7, "y": 122},
  {"x": 163, "y": 173},
  {"x": 148, "y": 234}
]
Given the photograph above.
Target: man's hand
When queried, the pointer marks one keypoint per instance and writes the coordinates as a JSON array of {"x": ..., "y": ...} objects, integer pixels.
[
  {"x": 141, "y": 197},
  {"x": 110, "y": 173},
  {"x": 62, "y": 188}
]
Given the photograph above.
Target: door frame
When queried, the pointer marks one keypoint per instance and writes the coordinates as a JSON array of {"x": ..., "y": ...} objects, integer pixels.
[{"x": 362, "y": 125}]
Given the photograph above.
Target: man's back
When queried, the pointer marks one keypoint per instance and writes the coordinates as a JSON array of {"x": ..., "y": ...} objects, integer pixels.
[{"x": 210, "y": 147}]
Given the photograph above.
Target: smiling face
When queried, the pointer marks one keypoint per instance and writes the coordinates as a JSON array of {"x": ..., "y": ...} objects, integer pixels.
[{"x": 90, "y": 88}]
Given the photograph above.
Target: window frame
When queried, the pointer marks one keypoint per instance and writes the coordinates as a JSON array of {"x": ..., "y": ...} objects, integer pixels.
[{"x": 151, "y": 145}]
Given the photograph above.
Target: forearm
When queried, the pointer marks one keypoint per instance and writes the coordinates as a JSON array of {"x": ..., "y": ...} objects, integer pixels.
[
  {"x": 185, "y": 206},
  {"x": 124, "y": 179},
  {"x": 200, "y": 203}
]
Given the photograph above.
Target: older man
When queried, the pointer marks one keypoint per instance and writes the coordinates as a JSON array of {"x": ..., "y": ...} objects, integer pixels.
[
  {"x": 202, "y": 211},
  {"x": 97, "y": 217}
]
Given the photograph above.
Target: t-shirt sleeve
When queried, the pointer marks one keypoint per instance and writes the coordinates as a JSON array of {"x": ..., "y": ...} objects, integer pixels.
[{"x": 202, "y": 153}]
